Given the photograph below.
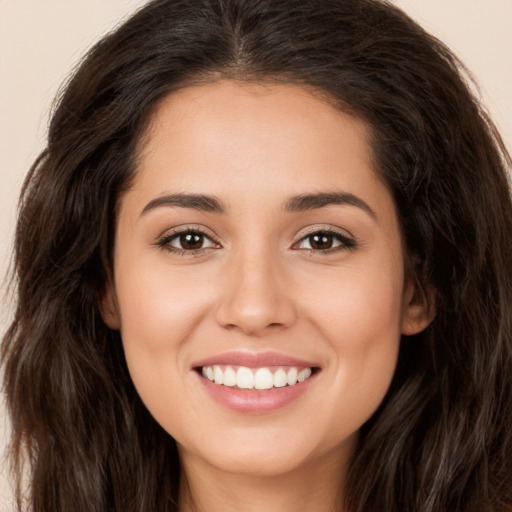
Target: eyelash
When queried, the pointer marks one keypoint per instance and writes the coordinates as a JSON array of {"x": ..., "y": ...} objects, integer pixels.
[
  {"x": 345, "y": 242},
  {"x": 165, "y": 241}
]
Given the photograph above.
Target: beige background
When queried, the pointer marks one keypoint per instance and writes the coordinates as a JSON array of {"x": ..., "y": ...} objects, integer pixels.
[{"x": 41, "y": 40}]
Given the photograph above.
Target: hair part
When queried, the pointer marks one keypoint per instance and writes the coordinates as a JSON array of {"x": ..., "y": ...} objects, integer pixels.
[{"x": 441, "y": 440}]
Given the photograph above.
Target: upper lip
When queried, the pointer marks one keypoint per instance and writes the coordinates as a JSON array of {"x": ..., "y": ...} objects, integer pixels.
[{"x": 254, "y": 360}]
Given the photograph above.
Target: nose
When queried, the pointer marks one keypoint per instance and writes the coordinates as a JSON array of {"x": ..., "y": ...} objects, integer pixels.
[{"x": 255, "y": 297}]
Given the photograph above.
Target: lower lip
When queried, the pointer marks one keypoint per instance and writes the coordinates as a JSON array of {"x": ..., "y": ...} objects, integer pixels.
[{"x": 256, "y": 402}]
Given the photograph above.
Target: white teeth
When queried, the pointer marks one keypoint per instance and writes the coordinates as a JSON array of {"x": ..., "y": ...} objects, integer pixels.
[
  {"x": 218, "y": 376},
  {"x": 280, "y": 378},
  {"x": 304, "y": 374},
  {"x": 263, "y": 379},
  {"x": 291, "y": 376},
  {"x": 259, "y": 379},
  {"x": 244, "y": 378},
  {"x": 229, "y": 377}
]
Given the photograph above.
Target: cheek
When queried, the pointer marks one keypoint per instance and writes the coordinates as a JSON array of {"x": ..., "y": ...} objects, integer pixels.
[
  {"x": 158, "y": 317},
  {"x": 360, "y": 307},
  {"x": 359, "y": 315},
  {"x": 158, "y": 308}
]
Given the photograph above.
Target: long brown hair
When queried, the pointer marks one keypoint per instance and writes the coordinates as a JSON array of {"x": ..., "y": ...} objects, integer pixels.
[{"x": 441, "y": 440}]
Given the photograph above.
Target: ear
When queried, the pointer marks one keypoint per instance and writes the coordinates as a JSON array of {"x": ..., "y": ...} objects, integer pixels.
[
  {"x": 419, "y": 306},
  {"x": 108, "y": 308}
]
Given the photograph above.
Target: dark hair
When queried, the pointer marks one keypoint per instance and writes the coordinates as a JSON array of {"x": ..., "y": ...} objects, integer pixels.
[{"x": 442, "y": 438}]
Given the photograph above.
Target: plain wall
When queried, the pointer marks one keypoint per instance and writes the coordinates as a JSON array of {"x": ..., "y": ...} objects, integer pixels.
[{"x": 40, "y": 42}]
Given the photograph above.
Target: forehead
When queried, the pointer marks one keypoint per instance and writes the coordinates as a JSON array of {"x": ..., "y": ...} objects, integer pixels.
[{"x": 253, "y": 129}]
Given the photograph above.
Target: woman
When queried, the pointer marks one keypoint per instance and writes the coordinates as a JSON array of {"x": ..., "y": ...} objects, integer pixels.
[{"x": 265, "y": 263}]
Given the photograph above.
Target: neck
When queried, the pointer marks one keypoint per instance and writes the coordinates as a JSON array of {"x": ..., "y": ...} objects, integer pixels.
[{"x": 315, "y": 487}]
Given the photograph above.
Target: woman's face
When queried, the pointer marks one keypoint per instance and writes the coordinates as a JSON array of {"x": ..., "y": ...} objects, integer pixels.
[{"x": 258, "y": 248}]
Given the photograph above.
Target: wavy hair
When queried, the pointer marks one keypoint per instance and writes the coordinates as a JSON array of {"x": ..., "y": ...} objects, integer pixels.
[{"x": 442, "y": 438}]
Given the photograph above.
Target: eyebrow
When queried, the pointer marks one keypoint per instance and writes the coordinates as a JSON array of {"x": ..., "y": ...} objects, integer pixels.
[
  {"x": 194, "y": 201},
  {"x": 299, "y": 203},
  {"x": 321, "y": 200}
]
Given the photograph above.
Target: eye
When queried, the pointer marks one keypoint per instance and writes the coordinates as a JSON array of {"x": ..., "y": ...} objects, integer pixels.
[
  {"x": 325, "y": 241},
  {"x": 187, "y": 241}
]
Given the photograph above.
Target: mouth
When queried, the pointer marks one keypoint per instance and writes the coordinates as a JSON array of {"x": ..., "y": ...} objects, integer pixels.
[
  {"x": 255, "y": 383},
  {"x": 256, "y": 379}
]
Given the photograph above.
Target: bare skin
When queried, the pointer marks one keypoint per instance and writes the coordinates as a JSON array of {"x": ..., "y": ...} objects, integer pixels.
[
  {"x": 305, "y": 489},
  {"x": 257, "y": 226}
]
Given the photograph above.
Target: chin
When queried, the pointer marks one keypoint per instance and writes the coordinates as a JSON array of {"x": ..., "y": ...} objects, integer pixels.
[{"x": 268, "y": 452}]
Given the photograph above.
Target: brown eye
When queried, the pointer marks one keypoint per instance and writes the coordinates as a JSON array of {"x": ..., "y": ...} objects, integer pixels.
[
  {"x": 321, "y": 241},
  {"x": 187, "y": 241},
  {"x": 191, "y": 241},
  {"x": 325, "y": 241}
]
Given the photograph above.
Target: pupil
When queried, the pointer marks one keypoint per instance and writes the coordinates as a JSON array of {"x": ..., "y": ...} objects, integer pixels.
[
  {"x": 321, "y": 241},
  {"x": 191, "y": 241}
]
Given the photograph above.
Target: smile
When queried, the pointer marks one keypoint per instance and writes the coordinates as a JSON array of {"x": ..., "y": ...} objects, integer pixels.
[
  {"x": 256, "y": 382},
  {"x": 257, "y": 379}
]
